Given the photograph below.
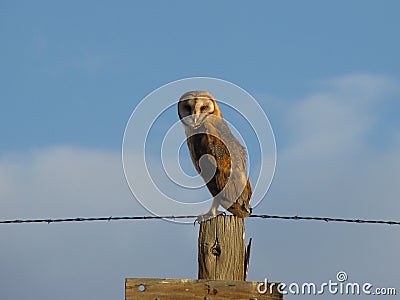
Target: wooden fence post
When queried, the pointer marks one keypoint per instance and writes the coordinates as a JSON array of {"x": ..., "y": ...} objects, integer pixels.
[
  {"x": 223, "y": 262},
  {"x": 222, "y": 254}
]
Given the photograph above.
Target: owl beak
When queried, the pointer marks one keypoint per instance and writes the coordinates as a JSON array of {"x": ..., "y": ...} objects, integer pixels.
[{"x": 196, "y": 118}]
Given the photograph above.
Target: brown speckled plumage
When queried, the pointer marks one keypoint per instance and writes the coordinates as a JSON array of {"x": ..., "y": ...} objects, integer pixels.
[{"x": 211, "y": 135}]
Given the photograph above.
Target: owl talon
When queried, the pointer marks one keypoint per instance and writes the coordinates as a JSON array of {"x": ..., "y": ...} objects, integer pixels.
[{"x": 208, "y": 215}]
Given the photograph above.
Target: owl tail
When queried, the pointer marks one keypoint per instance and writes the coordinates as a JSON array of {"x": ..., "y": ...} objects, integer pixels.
[{"x": 240, "y": 211}]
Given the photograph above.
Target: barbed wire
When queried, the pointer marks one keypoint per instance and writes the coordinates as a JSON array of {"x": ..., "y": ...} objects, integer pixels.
[{"x": 295, "y": 218}]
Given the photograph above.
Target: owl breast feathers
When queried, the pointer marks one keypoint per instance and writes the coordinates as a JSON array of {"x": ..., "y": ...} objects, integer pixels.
[{"x": 216, "y": 154}]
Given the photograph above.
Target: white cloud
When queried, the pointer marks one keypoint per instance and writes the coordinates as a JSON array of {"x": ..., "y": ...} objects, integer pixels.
[
  {"x": 329, "y": 161},
  {"x": 361, "y": 89},
  {"x": 82, "y": 259},
  {"x": 330, "y": 166},
  {"x": 63, "y": 181},
  {"x": 336, "y": 119}
]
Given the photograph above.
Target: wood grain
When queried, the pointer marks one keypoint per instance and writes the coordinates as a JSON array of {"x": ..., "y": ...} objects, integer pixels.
[
  {"x": 221, "y": 249},
  {"x": 179, "y": 289}
]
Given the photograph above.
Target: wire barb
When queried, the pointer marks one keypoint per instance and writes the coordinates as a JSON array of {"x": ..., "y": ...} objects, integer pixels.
[{"x": 263, "y": 216}]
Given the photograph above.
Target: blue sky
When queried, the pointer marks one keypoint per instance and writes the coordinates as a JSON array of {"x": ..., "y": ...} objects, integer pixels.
[
  {"x": 327, "y": 75},
  {"x": 73, "y": 72}
]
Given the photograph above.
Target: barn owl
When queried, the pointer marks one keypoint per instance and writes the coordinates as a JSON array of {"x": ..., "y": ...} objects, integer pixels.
[{"x": 216, "y": 154}]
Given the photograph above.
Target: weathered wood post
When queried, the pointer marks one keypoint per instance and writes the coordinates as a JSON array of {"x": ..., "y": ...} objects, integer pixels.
[
  {"x": 222, "y": 254},
  {"x": 223, "y": 263}
]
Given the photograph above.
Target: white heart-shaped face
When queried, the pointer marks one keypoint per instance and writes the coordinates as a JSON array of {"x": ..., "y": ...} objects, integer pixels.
[{"x": 193, "y": 111}]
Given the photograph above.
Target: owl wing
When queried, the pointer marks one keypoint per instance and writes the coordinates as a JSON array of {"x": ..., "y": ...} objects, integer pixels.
[{"x": 230, "y": 184}]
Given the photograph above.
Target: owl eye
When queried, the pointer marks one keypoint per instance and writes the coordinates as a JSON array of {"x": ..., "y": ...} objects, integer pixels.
[
  {"x": 203, "y": 108},
  {"x": 187, "y": 107}
]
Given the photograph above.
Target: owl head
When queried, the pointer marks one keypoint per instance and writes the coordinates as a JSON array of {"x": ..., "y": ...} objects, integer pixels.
[{"x": 195, "y": 107}]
